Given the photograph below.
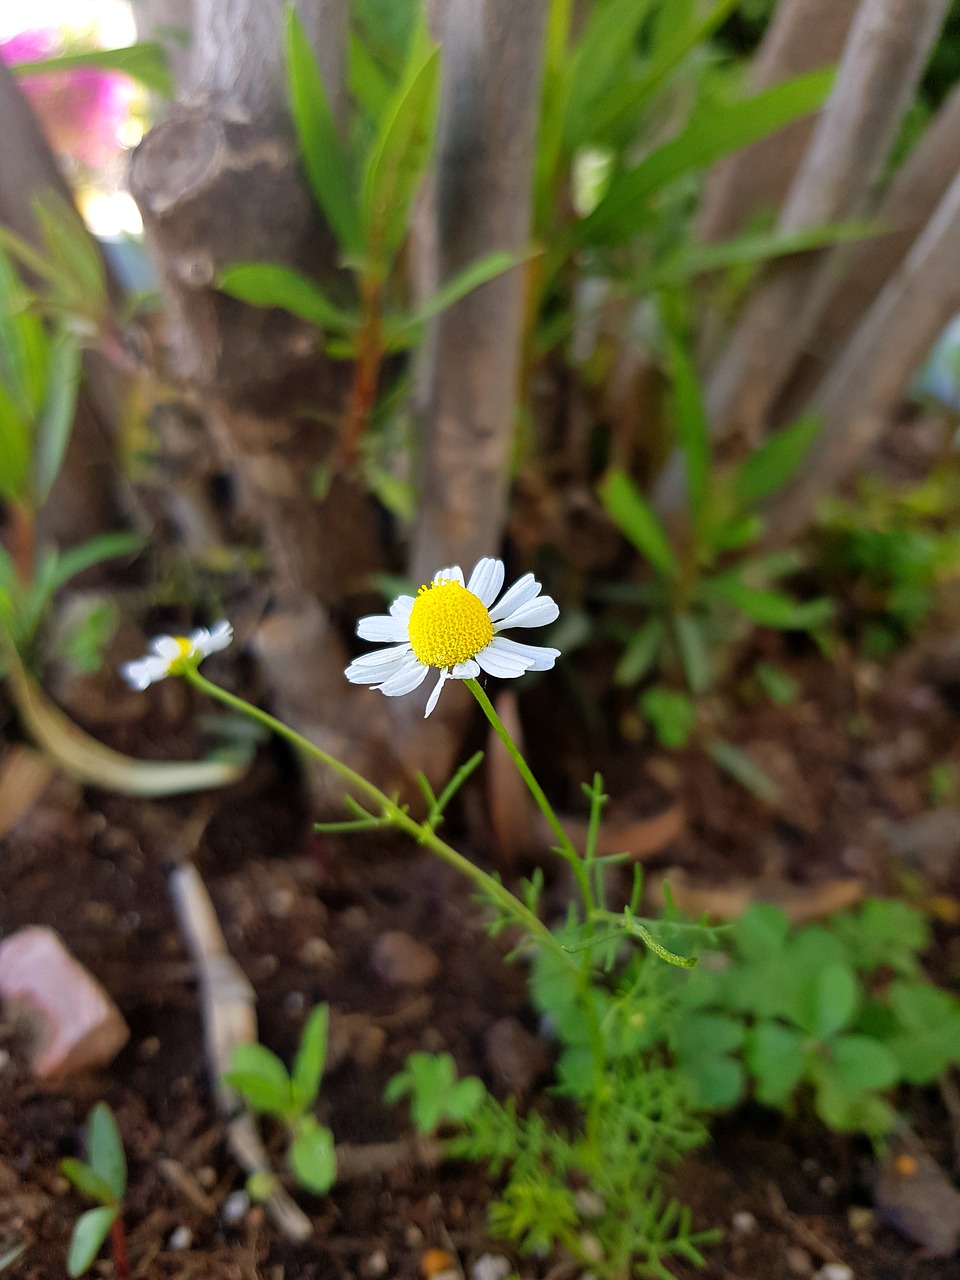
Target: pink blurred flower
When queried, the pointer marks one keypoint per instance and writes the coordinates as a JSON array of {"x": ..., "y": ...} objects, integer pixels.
[{"x": 82, "y": 109}]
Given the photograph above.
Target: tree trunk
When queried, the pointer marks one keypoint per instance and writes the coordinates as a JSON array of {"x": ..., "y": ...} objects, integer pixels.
[
  {"x": 898, "y": 331},
  {"x": 881, "y": 66},
  {"x": 802, "y": 36},
  {"x": 911, "y": 201}
]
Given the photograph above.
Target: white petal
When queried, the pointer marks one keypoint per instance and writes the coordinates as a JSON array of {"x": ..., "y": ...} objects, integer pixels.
[
  {"x": 542, "y": 657},
  {"x": 380, "y": 627},
  {"x": 497, "y": 663},
  {"x": 524, "y": 589},
  {"x": 372, "y": 668},
  {"x": 165, "y": 646},
  {"x": 535, "y": 613},
  {"x": 145, "y": 671},
  {"x": 468, "y": 670},
  {"x": 486, "y": 581},
  {"x": 432, "y": 700},
  {"x": 218, "y": 637},
  {"x": 406, "y": 680},
  {"x": 402, "y": 607},
  {"x": 453, "y": 574}
]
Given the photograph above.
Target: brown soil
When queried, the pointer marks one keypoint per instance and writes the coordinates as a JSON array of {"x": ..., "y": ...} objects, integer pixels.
[{"x": 852, "y": 749}]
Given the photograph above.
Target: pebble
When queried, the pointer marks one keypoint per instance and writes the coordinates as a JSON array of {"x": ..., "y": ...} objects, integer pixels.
[
  {"x": 835, "y": 1271},
  {"x": 76, "y": 1026},
  {"x": 401, "y": 961},
  {"x": 743, "y": 1223},
  {"x": 516, "y": 1058},
  {"x": 181, "y": 1238},
  {"x": 316, "y": 953},
  {"x": 235, "y": 1207},
  {"x": 828, "y": 1185},
  {"x": 294, "y": 1003},
  {"x": 798, "y": 1261},
  {"x": 491, "y": 1266},
  {"x": 589, "y": 1203},
  {"x": 376, "y": 1265},
  {"x": 280, "y": 903}
]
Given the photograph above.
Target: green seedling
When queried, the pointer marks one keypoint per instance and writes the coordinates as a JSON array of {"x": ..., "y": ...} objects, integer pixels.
[
  {"x": 436, "y": 1095},
  {"x": 263, "y": 1081},
  {"x": 103, "y": 1178}
]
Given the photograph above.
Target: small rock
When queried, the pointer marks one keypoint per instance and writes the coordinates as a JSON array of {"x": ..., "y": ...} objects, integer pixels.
[
  {"x": 181, "y": 1238},
  {"x": 516, "y": 1058},
  {"x": 743, "y": 1223},
  {"x": 294, "y": 1003},
  {"x": 589, "y": 1203},
  {"x": 316, "y": 953},
  {"x": 590, "y": 1248},
  {"x": 354, "y": 1037},
  {"x": 280, "y": 902},
  {"x": 375, "y": 1265},
  {"x": 76, "y": 1026},
  {"x": 491, "y": 1266},
  {"x": 914, "y": 1195},
  {"x": 798, "y": 1261},
  {"x": 235, "y": 1207},
  {"x": 828, "y": 1185},
  {"x": 834, "y": 1271},
  {"x": 401, "y": 961}
]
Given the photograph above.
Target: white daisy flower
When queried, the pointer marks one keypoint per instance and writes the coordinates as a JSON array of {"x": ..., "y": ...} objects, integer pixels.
[
  {"x": 168, "y": 654},
  {"x": 456, "y": 629}
]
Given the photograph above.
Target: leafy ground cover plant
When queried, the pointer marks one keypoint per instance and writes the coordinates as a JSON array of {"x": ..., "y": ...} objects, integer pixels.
[
  {"x": 890, "y": 553},
  {"x": 103, "y": 1178},
  {"x": 263, "y": 1081},
  {"x": 835, "y": 1016}
]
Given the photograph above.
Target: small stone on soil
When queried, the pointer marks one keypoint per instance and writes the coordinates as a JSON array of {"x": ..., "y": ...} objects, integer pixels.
[
  {"x": 315, "y": 953},
  {"x": 401, "y": 961},
  {"x": 75, "y": 1023},
  {"x": 743, "y": 1223},
  {"x": 375, "y": 1266},
  {"x": 835, "y": 1271},
  {"x": 491, "y": 1266},
  {"x": 181, "y": 1238},
  {"x": 235, "y": 1207},
  {"x": 516, "y": 1058},
  {"x": 798, "y": 1261}
]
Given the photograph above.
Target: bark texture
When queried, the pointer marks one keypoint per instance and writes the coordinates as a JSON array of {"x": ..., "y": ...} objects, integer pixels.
[
  {"x": 489, "y": 100},
  {"x": 899, "y": 329},
  {"x": 802, "y": 36},
  {"x": 882, "y": 63}
]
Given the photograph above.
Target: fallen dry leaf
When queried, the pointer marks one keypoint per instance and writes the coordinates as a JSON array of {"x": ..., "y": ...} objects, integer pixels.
[
  {"x": 24, "y": 775},
  {"x": 731, "y": 899}
]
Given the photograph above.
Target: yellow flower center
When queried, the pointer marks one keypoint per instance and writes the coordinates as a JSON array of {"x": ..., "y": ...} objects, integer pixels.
[
  {"x": 448, "y": 624},
  {"x": 185, "y": 646}
]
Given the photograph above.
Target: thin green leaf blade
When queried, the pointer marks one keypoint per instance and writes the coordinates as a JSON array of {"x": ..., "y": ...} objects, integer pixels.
[
  {"x": 55, "y": 421},
  {"x": 266, "y": 284},
  {"x": 744, "y": 769},
  {"x": 89, "y": 1233},
  {"x": 690, "y": 424},
  {"x": 261, "y": 1077},
  {"x": 312, "y": 1157},
  {"x": 635, "y": 518},
  {"x": 472, "y": 277},
  {"x": 323, "y": 155},
  {"x": 14, "y": 449},
  {"x": 400, "y": 155},
  {"x": 640, "y": 654},
  {"x": 707, "y": 137},
  {"x": 776, "y": 461},
  {"x": 311, "y": 1056},
  {"x": 105, "y": 546},
  {"x": 145, "y": 62},
  {"x": 87, "y": 1181},
  {"x": 105, "y": 1150}
]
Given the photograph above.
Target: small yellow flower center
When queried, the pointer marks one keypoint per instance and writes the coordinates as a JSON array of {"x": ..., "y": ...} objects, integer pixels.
[
  {"x": 448, "y": 624},
  {"x": 185, "y": 646}
]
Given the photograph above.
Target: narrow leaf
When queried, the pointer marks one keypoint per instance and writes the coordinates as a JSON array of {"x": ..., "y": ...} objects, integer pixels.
[
  {"x": 634, "y": 517},
  {"x": 105, "y": 546},
  {"x": 470, "y": 278},
  {"x": 267, "y": 285},
  {"x": 776, "y": 461},
  {"x": 694, "y": 655},
  {"x": 311, "y": 1056},
  {"x": 745, "y": 770},
  {"x": 14, "y": 449},
  {"x": 707, "y": 137},
  {"x": 145, "y": 62},
  {"x": 640, "y": 654},
  {"x": 89, "y": 1233},
  {"x": 261, "y": 1077},
  {"x": 770, "y": 608},
  {"x": 323, "y": 156},
  {"x": 87, "y": 1181},
  {"x": 105, "y": 1150},
  {"x": 400, "y": 155},
  {"x": 55, "y": 421},
  {"x": 690, "y": 424}
]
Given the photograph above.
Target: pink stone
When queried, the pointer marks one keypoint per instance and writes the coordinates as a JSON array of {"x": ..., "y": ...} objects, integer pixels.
[{"x": 75, "y": 1025}]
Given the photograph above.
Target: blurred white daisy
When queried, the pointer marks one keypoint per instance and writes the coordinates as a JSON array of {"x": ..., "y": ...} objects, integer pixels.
[
  {"x": 455, "y": 627},
  {"x": 169, "y": 654}
]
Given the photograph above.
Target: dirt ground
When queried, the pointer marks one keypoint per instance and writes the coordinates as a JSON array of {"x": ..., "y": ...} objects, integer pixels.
[{"x": 303, "y": 914}]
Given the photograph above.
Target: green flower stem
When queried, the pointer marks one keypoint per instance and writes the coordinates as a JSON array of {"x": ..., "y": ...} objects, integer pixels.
[
  {"x": 565, "y": 845},
  {"x": 391, "y": 813},
  {"x": 581, "y": 870}
]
